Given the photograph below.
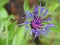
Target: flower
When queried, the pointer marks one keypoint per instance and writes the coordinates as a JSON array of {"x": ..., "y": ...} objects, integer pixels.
[{"x": 37, "y": 20}]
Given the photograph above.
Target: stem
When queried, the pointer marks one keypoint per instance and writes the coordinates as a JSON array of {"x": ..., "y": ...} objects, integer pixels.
[{"x": 37, "y": 41}]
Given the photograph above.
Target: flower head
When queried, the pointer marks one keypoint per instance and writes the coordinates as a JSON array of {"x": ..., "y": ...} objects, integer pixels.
[{"x": 37, "y": 21}]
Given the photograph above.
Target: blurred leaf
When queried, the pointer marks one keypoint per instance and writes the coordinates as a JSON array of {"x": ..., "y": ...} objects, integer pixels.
[
  {"x": 3, "y": 2},
  {"x": 52, "y": 5},
  {"x": 27, "y": 6},
  {"x": 19, "y": 37},
  {"x": 3, "y": 13},
  {"x": 0, "y": 41},
  {"x": 12, "y": 32}
]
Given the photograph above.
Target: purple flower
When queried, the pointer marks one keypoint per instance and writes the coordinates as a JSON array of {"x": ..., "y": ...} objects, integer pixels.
[{"x": 37, "y": 21}]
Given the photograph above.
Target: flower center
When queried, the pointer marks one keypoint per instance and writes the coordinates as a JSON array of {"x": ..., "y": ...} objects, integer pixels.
[{"x": 36, "y": 23}]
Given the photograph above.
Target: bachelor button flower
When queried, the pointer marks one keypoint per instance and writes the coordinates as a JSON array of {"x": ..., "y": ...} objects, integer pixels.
[{"x": 37, "y": 20}]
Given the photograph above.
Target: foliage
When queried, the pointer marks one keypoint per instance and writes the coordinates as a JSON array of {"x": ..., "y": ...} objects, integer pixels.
[
  {"x": 3, "y": 2},
  {"x": 12, "y": 34}
]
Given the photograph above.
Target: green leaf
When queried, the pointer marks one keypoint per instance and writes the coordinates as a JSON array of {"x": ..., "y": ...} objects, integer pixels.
[
  {"x": 52, "y": 5},
  {"x": 3, "y": 13},
  {"x": 0, "y": 41},
  {"x": 26, "y": 5},
  {"x": 19, "y": 37},
  {"x": 3, "y": 2}
]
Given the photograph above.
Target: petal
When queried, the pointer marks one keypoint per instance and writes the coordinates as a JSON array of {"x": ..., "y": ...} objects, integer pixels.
[
  {"x": 32, "y": 31},
  {"x": 51, "y": 25},
  {"x": 30, "y": 16},
  {"x": 26, "y": 22},
  {"x": 47, "y": 20},
  {"x": 37, "y": 33},
  {"x": 21, "y": 24},
  {"x": 45, "y": 12},
  {"x": 27, "y": 27},
  {"x": 47, "y": 29},
  {"x": 43, "y": 31},
  {"x": 36, "y": 10},
  {"x": 27, "y": 12},
  {"x": 47, "y": 26},
  {"x": 35, "y": 36},
  {"x": 41, "y": 10}
]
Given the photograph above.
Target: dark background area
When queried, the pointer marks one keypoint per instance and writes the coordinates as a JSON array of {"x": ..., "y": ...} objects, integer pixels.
[{"x": 16, "y": 7}]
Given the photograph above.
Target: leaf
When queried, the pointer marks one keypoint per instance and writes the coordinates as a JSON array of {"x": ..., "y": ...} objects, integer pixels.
[
  {"x": 3, "y": 13},
  {"x": 19, "y": 37},
  {"x": 52, "y": 5},
  {"x": 26, "y": 5},
  {"x": 3, "y": 2}
]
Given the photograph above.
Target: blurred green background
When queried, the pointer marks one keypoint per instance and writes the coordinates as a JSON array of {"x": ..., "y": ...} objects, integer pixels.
[{"x": 12, "y": 34}]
